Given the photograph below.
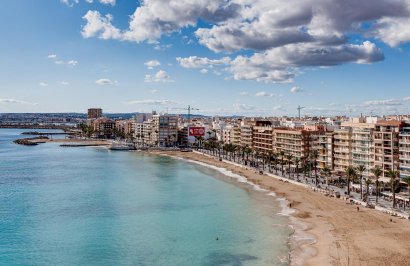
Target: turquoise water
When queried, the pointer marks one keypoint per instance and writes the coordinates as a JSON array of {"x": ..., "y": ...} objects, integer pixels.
[{"x": 92, "y": 206}]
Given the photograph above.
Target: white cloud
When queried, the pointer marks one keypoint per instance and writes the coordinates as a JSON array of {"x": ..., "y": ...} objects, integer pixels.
[
  {"x": 107, "y": 2},
  {"x": 105, "y": 81},
  {"x": 240, "y": 107},
  {"x": 204, "y": 71},
  {"x": 389, "y": 102},
  {"x": 71, "y": 3},
  {"x": 72, "y": 63},
  {"x": 160, "y": 76},
  {"x": 64, "y": 83},
  {"x": 279, "y": 108},
  {"x": 57, "y": 61},
  {"x": 154, "y": 91},
  {"x": 406, "y": 98},
  {"x": 200, "y": 62},
  {"x": 279, "y": 37},
  {"x": 263, "y": 94},
  {"x": 100, "y": 26},
  {"x": 152, "y": 63},
  {"x": 153, "y": 102},
  {"x": 162, "y": 47},
  {"x": 42, "y": 84},
  {"x": 14, "y": 101},
  {"x": 296, "y": 89},
  {"x": 244, "y": 93},
  {"x": 393, "y": 31}
]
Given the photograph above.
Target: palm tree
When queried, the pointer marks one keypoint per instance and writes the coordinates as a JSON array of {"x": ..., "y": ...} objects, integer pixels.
[
  {"x": 297, "y": 162},
  {"x": 350, "y": 175},
  {"x": 407, "y": 181},
  {"x": 315, "y": 155},
  {"x": 289, "y": 158},
  {"x": 394, "y": 183},
  {"x": 326, "y": 172},
  {"x": 282, "y": 155},
  {"x": 368, "y": 182},
  {"x": 360, "y": 169},
  {"x": 377, "y": 172}
]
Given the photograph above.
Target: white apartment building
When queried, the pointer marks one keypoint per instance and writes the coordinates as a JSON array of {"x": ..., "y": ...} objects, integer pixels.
[
  {"x": 342, "y": 146},
  {"x": 404, "y": 150}
]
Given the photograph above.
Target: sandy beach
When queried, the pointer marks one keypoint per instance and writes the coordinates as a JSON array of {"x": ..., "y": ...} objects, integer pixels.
[{"x": 342, "y": 235}]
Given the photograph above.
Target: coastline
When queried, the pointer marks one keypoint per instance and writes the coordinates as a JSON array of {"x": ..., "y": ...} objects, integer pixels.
[{"x": 327, "y": 231}]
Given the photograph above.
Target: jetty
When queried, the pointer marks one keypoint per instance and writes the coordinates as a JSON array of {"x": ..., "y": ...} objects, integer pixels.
[{"x": 31, "y": 141}]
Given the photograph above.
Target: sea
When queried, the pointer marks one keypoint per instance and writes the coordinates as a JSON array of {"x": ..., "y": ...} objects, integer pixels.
[{"x": 94, "y": 206}]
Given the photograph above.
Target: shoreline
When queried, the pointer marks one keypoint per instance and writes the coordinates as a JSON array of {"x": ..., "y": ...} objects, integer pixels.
[
  {"x": 299, "y": 240},
  {"x": 341, "y": 234}
]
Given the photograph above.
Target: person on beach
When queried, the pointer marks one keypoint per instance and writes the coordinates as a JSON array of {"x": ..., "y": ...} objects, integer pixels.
[{"x": 357, "y": 208}]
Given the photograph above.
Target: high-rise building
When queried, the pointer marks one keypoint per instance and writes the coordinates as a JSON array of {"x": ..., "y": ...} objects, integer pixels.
[
  {"x": 404, "y": 149},
  {"x": 94, "y": 113},
  {"x": 165, "y": 129},
  {"x": 386, "y": 145}
]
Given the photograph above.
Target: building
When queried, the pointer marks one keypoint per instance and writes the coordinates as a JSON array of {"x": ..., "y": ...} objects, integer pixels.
[
  {"x": 165, "y": 130},
  {"x": 262, "y": 139},
  {"x": 246, "y": 135},
  {"x": 324, "y": 146},
  {"x": 104, "y": 127},
  {"x": 404, "y": 150},
  {"x": 386, "y": 145},
  {"x": 94, "y": 113},
  {"x": 296, "y": 142},
  {"x": 342, "y": 149}
]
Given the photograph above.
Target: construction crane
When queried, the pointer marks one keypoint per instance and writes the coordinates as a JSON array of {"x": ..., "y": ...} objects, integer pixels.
[
  {"x": 300, "y": 108},
  {"x": 189, "y": 108}
]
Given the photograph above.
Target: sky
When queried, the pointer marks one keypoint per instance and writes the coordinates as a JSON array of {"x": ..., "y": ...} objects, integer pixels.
[{"x": 223, "y": 57}]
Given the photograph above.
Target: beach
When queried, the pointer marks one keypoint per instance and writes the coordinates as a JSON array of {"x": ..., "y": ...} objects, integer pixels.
[{"x": 328, "y": 231}]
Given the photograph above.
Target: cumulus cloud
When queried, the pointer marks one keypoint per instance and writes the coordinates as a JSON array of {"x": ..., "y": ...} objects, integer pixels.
[
  {"x": 406, "y": 98},
  {"x": 160, "y": 76},
  {"x": 100, "y": 26},
  {"x": 244, "y": 93},
  {"x": 52, "y": 56},
  {"x": 296, "y": 89},
  {"x": 42, "y": 84},
  {"x": 153, "y": 102},
  {"x": 105, "y": 81},
  {"x": 64, "y": 83},
  {"x": 204, "y": 71},
  {"x": 152, "y": 63},
  {"x": 273, "y": 38},
  {"x": 393, "y": 31},
  {"x": 263, "y": 94}
]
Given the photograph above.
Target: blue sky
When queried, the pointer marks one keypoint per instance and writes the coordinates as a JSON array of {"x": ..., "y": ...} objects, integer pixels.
[{"x": 223, "y": 57}]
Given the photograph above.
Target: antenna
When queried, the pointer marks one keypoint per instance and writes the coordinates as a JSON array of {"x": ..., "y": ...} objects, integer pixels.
[{"x": 300, "y": 108}]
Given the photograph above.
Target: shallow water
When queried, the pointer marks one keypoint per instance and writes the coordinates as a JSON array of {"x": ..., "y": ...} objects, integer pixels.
[{"x": 92, "y": 206}]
